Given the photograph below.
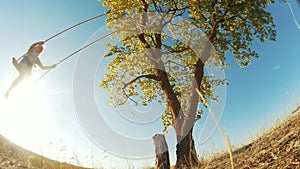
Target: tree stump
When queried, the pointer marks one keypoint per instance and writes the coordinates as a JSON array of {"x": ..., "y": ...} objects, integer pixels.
[{"x": 161, "y": 150}]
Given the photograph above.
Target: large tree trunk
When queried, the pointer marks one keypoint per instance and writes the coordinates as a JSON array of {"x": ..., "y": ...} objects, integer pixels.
[
  {"x": 183, "y": 152},
  {"x": 186, "y": 152},
  {"x": 194, "y": 156}
]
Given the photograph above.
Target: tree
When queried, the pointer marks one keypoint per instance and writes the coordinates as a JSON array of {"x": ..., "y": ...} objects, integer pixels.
[{"x": 143, "y": 57}]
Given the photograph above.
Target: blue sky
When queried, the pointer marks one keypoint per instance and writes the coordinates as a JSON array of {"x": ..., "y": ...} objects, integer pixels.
[{"x": 257, "y": 95}]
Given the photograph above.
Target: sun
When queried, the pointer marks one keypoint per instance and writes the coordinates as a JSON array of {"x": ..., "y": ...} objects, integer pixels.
[{"x": 22, "y": 115}]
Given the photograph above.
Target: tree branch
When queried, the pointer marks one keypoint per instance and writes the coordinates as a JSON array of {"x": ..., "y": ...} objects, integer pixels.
[
  {"x": 127, "y": 97},
  {"x": 182, "y": 10},
  {"x": 202, "y": 15},
  {"x": 149, "y": 76},
  {"x": 178, "y": 64},
  {"x": 144, "y": 19},
  {"x": 153, "y": 40},
  {"x": 179, "y": 50},
  {"x": 230, "y": 5}
]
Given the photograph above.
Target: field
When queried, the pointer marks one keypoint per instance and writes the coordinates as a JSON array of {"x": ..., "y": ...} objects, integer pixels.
[{"x": 277, "y": 148}]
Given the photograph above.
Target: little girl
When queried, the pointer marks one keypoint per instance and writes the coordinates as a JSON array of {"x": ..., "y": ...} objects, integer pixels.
[{"x": 29, "y": 60}]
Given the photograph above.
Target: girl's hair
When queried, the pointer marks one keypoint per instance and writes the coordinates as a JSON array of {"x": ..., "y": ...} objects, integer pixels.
[{"x": 39, "y": 49}]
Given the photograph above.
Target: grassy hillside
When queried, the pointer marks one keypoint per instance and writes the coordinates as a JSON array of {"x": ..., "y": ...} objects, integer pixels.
[
  {"x": 278, "y": 148},
  {"x": 15, "y": 157}
]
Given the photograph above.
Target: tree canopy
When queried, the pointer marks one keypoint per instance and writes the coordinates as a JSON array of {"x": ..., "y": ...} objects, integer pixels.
[
  {"x": 164, "y": 46},
  {"x": 228, "y": 25}
]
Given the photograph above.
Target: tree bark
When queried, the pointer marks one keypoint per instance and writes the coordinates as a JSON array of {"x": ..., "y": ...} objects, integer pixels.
[
  {"x": 186, "y": 152},
  {"x": 161, "y": 150},
  {"x": 194, "y": 156},
  {"x": 183, "y": 152}
]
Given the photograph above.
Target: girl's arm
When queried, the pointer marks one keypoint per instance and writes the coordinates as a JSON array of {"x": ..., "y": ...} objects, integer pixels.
[{"x": 39, "y": 63}]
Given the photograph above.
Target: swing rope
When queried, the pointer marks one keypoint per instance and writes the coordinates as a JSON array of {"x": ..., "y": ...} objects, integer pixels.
[
  {"x": 65, "y": 30},
  {"x": 70, "y": 55},
  {"x": 78, "y": 24}
]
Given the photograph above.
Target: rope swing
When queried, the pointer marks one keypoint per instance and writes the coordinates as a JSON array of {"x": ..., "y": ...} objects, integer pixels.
[
  {"x": 70, "y": 55},
  {"x": 65, "y": 30},
  {"x": 72, "y": 27}
]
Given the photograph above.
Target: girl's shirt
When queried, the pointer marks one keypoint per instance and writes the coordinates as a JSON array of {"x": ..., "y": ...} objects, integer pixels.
[{"x": 31, "y": 58}]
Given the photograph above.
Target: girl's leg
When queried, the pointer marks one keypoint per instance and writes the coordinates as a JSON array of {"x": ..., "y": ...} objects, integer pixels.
[
  {"x": 16, "y": 64},
  {"x": 25, "y": 73},
  {"x": 14, "y": 84}
]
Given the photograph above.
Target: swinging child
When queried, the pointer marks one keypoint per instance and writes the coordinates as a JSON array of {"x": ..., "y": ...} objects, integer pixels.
[{"x": 29, "y": 60}]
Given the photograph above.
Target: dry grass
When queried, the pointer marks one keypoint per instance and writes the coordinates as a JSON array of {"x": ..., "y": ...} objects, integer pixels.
[
  {"x": 15, "y": 157},
  {"x": 277, "y": 148}
]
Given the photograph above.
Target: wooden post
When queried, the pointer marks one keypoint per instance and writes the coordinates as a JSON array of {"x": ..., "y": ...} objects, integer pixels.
[{"x": 161, "y": 150}]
